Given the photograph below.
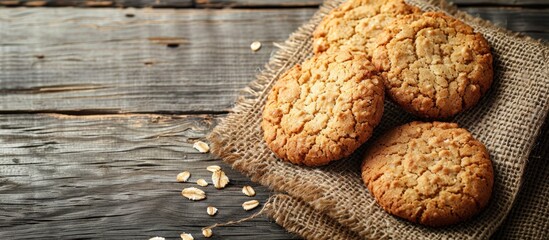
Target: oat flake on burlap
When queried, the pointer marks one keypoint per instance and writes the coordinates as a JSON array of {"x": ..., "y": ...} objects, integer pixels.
[{"x": 331, "y": 202}]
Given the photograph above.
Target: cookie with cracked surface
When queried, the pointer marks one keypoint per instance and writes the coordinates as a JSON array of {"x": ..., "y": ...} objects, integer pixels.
[
  {"x": 435, "y": 174},
  {"x": 355, "y": 24},
  {"x": 433, "y": 65},
  {"x": 324, "y": 109}
]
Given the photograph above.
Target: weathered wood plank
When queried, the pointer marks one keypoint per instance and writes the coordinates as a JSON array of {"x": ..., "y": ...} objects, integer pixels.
[
  {"x": 256, "y": 3},
  {"x": 86, "y": 60},
  {"x": 313, "y": 3},
  {"x": 525, "y": 20},
  {"x": 98, "y": 3},
  {"x": 525, "y": 3},
  {"x": 113, "y": 177},
  {"x": 73, "y": 59},
  {"x": 228, "y": 3}
]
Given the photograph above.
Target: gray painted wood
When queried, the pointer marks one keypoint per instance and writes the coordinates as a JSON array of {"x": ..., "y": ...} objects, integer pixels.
[
  {"x": 113, "y": 177},
  {"x": 64, "y": 59}
]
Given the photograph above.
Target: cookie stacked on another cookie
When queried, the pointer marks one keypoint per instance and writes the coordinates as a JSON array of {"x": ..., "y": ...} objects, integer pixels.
[
  {"x": 324, "y": 109},
  {"x": 355, "y": 25},
  {"x": 433, "y": 66},
  {"x": 435, "y": 174}
]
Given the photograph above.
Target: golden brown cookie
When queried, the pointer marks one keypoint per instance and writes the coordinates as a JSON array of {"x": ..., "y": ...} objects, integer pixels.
[
  {"x": 434, "y": 174},
  {"x": 324, "y": 109},
  {"x": 434, "y": 66},
  {"x": 356, "y": 23}
]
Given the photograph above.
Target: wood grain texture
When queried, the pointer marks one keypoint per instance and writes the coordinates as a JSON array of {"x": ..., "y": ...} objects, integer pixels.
[
  {"x": 227, "y": 3},
  {"x": 256, "y": 3},
  {"x": 159, "y": 60},
  {"x": 524, "y": 3},
  {"x": 529, "y": 21},
  {"x": 98, "y": 3},
  {"x": 113, "y": 177},
  {"x": 313, "y": 3},
  {"x": 63, "y": 59}
]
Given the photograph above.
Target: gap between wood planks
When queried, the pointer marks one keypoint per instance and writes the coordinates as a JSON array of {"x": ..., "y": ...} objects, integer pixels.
[{"x": 112, "y": 112}]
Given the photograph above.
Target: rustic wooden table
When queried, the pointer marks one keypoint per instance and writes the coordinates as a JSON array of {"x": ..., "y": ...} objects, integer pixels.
[{"x": 100, "y": 105}]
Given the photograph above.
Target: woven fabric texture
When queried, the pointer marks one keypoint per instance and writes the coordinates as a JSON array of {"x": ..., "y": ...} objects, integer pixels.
[{"x": 507, "y": 120}]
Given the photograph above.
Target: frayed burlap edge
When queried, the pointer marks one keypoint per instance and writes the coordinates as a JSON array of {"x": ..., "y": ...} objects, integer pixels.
[
  {"x": 306, "y": 222},
  {"x": 289, "y": 54}
]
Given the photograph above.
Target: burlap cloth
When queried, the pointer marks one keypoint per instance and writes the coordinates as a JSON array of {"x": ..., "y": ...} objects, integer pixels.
[{"x": 331, "y": 202}]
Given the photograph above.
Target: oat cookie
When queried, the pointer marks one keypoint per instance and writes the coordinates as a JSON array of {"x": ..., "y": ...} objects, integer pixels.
[
  {"x": 356, "y": 23},
  {"x": 434, "y": 66},
  {"x": 324, "y": 109},
  {"x": 434, "y": 174}
]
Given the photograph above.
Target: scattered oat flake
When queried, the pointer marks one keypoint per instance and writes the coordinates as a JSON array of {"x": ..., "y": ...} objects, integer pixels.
[
  {"x": 186, "y": 236},
  {"x": 157, "y": 238},
  {"x": 249, "y": 205},
  {"x": 255, "y": 46},
  {"x": 202, "y": 182},
  {"x": 211, "y": 210},
  {"x": 183, "y": 176},
  {"x": 207, "y": 232},
  {"x": 249, "y": 191},
  {"x": 219, "y": 179},
  {"x": 193, "y": 193},
  {"x": 213, "y": 168},
  {"x": 201, "y": 146}
]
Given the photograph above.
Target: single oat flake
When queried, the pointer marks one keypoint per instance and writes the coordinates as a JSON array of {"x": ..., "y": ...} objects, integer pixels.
[
  {"x": 157, "y": 238},
  {"x": 186, "y": 236},
  {"x": 249, "y": 205},
  {"x": 249, "y": 191},
  {"x": 207, "y": 232},
  {"x": 219, "y": 179},
  {"x": 255, "y": 46},
  {"x": 193, "y": 193},
  {"x": 213, "y": 168},
  {"x": 211, "y": 210},
  {"x": 183, "y": 176},
  {"x": 202, "y": 182},
  {"x": 201, "y": 146}
]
